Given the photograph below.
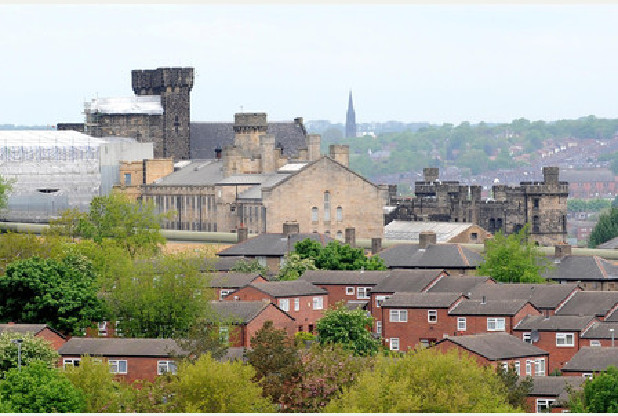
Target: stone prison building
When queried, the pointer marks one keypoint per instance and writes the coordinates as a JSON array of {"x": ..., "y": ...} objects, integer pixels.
[{"x": 541, "y": 204}]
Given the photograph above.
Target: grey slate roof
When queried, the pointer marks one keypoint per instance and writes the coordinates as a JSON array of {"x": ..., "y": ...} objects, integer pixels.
[
  {"x": 611, "y": 244},
  {"x": 196, "y": 173},
  {"x": 601, "y": 330},
  {"x": 345, "y": 277},
  {"x": 421, "y": 300},
  {"x": 555, "y": 386},
  {"x": 221, "y": 264},
  {"x": 356, "y": 304},
  {"x": 232, "y": 280},
  {"x": 584, "y": 268},
  {"x": 270, "y": 244},
  {"x": 289, "y": 288},
  {"x": 589, "y": 303},
  {"x": 461, "y": 284},
  {"x": 554, "y": 323},
  {"x": 238, "y": 312},
  {"x": 25, "y": 328},
  {"x": 141, "y": 347},
  {"x": 590, "y": 359},
  {"x": 502, "y": 307},
  {"x": 406, "y": 281},
  {"x": 443, "y": 256},
  {"x": 542, "y": 296},
  {"x": 207, "y": 136},
  {"x": 496, "y": 346}
]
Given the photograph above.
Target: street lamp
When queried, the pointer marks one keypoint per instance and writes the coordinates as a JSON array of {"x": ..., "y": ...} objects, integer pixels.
[
  {"x": 18, "y": 342},
  {"x": 612, "y": 331}
]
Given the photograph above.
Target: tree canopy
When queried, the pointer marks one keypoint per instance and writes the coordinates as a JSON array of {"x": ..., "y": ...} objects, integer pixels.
[
  {"x": 513, "y": 259},
  {"x": 295, "y": 266},
  {"x": 606, "y": 228},
  {"x": 600, "y": 394},
  {"x": 348, "y": 328},
  {"x": 32, "y": 349},
  {"x": 337, "y": 256},
  {"x": 5, "y": 188}
]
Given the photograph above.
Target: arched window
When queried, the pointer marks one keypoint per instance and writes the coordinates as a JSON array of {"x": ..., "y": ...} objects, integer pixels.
[
  {"x": 326, "y": 206},
  {"x": 339, "y": 214},
  {"x": 314, "y": 214},
  {"x": 339, "y": 235}
]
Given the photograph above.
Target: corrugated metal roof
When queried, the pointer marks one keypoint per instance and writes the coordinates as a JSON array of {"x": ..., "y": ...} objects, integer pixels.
[
  {"x": 197, "y": 173},
  {"x": 139, "y": 104},
  {"x": 409, "y": 230},
  {"x": 49, "y": 138}
]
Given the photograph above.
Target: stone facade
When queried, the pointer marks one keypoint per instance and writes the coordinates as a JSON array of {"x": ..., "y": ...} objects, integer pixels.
[
  {"x": 135, "y": 174},
  {"x": 542, "y": 204}
]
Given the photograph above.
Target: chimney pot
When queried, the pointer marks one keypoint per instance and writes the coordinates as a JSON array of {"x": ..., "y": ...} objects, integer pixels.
[
  {"x": 376, "y": 245},
  {"x": 425, "y": 238},
  {"x": 291, "y": 227},
  {"x": 242, "y": 234},
  {"x": 561, "y": 250}
]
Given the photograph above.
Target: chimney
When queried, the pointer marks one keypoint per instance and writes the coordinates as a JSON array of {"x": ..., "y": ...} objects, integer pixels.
[
  {"x": 340, "y": 153},
  {"x": 350, "y": 236},
  {"x": 431, "y": 174},
  {"x": 242, "y": 234},
  {"x": 561, "y": 250},
  {"x": 551, "y": 175},
  {"x": 425, "y": 238},
  {"x": 290, "y": 227},
  {"x": 376, "y": 245},
  {"x": 218, "y": 152}
]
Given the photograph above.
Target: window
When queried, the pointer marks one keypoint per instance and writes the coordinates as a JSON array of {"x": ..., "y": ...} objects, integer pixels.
[
  {"x": 539, "y": 367},
  {"x": 318, "y": 303},
  {"x": 543, "y": 405},
  {"x": 432, "y": 316},
  {"x": 517, "y": 369},
  {"x": 127, "y": 179},
  {"x": 284, "y": 304},
  {"x": 461, "y": 324},
  {"x": 71, "y": 361},
  {"x": 326, "y": 206},
  {"x": 398, "y": 315},
  {"x": 314, "y": 214},
  {"x": 102, "y": 328},
  {"x": 394, "y": 344},
  {"x": 363, "y": 293},
  {"x": 528, "y": 367},
  {"x": 118, "y": 366},
  {"x": 261, "y": 260},
  {"x": 505, "y": 366},
  {"x": 536, "y": 224},
  {"x": 165, "y": 367},
  {"x": 379, "y": 300},
  {"x": 495, "y": 324},
  {"x": 349, "y": 291},
  {"x": 536, "y": 202},
  {"x": 224, "y": 334},
  {"x": 587, "y": 375},
  {"x": 565, "y": 339},
  {"x": 379, "y": 327},
  {"x": 595, "y": 343},
  {"x": 526, "y": 337},
  {"x": 225, "y": 292},
  {"x": 339, "y": 235},
  {"x": 339, "y": 214}
]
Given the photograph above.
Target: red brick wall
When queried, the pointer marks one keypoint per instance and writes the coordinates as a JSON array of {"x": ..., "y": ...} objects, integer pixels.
[
  {"x": 604, "y": 342},
  {"x": 138, "y": 368},
  {"x": 279, "y": 319},
  {"x": 217, "y": 290},
  {"x": 528, "y": 309},
  {"x": 418, "y": 327},
  {"x": 56, "y": 340},
  {"x": 558, "y": 356},
  {"x": 337, "y": 293},
  {"x": 476, "y": 324}
]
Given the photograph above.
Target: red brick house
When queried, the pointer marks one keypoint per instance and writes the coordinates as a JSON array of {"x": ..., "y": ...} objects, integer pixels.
[
  {"x": 600, "y": 334},
  {"x": 131, "y": 359},
  {"x": 302, "y": 300},
  {"x": 238, "y": 321},
  {"x": 346, "y": 285},
  {"x": 410, "y": 319},
  {"x": 551, "y": 393},
  {"x": 400, "y": 281},
  {"x": 558, "y": 335},
  {"x": 478, "y": 316},
  {"x": 458, "y": 284},
  {"x": 55, "y": 338},
  {"x": 499, "y": 349},
  {"x": 590, "y": 360},
  {"x": 226, "y": 283}
]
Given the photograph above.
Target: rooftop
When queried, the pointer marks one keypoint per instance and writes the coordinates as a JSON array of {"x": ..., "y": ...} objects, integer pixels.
[
  {"x": 271, "y": 244},
  {"x": 344, "y": 277},
  {"x": 589, "y": 303},
  {"x": 496, "y": 346},
  {"x": 421, "y": 300},
  {"x": 591, "y": 359},
  {"x": 443, "y": 256},
  {"x": 542, "y": 296},
  {"x": 501, "y": 307},
  {"x": 554, "y": 323},
  {"x": 232, "y": 280},
  {"x": 582, "y": 268},
  {"x": 140, "y": 347},
  {"x": 238, "y": 312},
  {"x": 289, "y": 288},
  {"x": 409, "y": 230},
  {"x": 138, "y": 104},
  {"x": 407, "y": 281}
]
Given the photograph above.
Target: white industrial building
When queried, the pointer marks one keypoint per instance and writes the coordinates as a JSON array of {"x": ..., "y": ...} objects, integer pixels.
[{"x": 52, "y": 171}]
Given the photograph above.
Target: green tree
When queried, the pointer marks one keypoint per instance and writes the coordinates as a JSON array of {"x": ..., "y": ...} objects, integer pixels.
[
  {"x": 294, "y": 267},
  {"x": 601, "y": 393},
  {"x": 163, "y": 298},
  {"x": 60, "y": 293},
  {"x": 337, "y": 256},
  {"x": 32, "y": 349},
  {"x": 605, "y": 229},
  {"x": 349, "y": 328},
  {"x": 40, "y": 389},
  {"x": 513, "y": 259},
  {"x": 5, "y": 188},
  {"x": 17, "y": 246},
  {"x": 253, "y": 266},
  {"x": 426, "y": 381},
  {"x": 211, "y": 386},
  {"x": 517, "y": 387}
]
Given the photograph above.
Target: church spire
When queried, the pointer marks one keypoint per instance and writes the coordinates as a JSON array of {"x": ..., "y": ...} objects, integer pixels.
[{"x": 350, "y": 119}]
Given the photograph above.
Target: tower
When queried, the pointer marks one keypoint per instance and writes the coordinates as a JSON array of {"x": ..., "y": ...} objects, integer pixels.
[
  {"x": 174, "y": 86},
  {"x": 350, "y": 119}
]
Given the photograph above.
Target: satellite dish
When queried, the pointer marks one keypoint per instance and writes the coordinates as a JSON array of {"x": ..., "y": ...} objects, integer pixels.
[{"x": 534, "y": 335}]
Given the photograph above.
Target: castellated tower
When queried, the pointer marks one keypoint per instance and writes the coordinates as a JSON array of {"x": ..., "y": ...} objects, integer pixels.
[{"x": 174, "y": 86}]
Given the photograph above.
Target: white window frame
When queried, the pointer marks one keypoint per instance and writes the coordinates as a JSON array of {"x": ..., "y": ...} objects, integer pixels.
[
  {"x": 166, "y": 367},
  {"x": 261, "y": 260},
  {"x": 495, "y": 321},
  {"x": 224, "y": 293},
  {"x": 595, "y": 343},
  {"x": 102, "y": 328},
  {"x": 315, "y": 214},
  {"x": 432, "y": 316},
  {"x": 318, "y": 303},
  {"x": 526, "y": 337},
  {"x": 505, "y": 365},
  {"x": 461, "y": 323},
  {"x": 517, "y": 368},
  {"x": 70, "y": 361},
  {"x": 563, "y": 337},
  {"x": 379, "y": 327},
  {"x": 379, "y": 300},
  {"x": 539, "y": 367},
  {"x": 339, "y": 214},
  {"x": 394, "y": 344},
  {"x": 528, "y": 367},
  {"x": 115, "y": 366},
  {"x": 296, "y": 304},
  {"x": 284, "y": 305},
  {"x": 349, "y": 290},
  {"x": 545, "y": 403},
  {"x": 398, "y": 315},
  {"x": 587, "y": 375},
  {"x": 363, "y": 293}
]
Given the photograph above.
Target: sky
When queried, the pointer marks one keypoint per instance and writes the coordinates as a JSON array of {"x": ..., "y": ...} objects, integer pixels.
[{"x": 412, "y": 63}]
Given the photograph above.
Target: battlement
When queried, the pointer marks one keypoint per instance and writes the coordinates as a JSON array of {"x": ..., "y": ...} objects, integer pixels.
[
  {"x": 157, "y": 81},
  {"x": 250, "y": 122}
]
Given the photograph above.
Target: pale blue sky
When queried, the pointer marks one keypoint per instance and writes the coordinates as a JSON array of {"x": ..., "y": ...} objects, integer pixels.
[{"x": 445, "y": 63}]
